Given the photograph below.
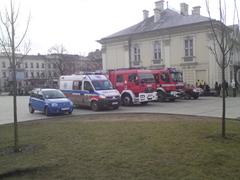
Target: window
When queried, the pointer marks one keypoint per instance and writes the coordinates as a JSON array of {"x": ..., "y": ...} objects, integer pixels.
[
  {"x": 18, "y": 65},
  {"x": 88, "y": 86},
  {"x": 37, "y": 65},
  {"x": 4, "y": 64},
  {"x": 77, "y": 85},
  {"x": 132, "y": 77},
  {"x": 31, "y": 65},
  {"x": 49, "y": 66},
  {"x": 165, "y": 77},
  {"x": 32, "y": 74},
  {"x": 157, "y": 53},
  {"x": 4, "y": 74},
  {"x": 26, "y": 74},
  {"x": 38, "y": 74},
  {"x": 26, "y": 65},
  {"x": 119, "y": 78},
  {"x": 42, "y": 65},
  {"x": 55, "y": 65},
  {"x": 136, "y": 55},
  {"x": 188, "y": 47},
  {"x": 49, "y": 74},
  {"x": 42, "y": 74}
]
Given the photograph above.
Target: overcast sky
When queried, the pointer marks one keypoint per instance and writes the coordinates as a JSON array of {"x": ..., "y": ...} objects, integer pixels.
[{"x": 77, "y": 24}]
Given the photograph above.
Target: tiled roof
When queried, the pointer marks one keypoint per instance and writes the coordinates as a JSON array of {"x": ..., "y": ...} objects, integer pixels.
[{"x": 169, "y": 19}]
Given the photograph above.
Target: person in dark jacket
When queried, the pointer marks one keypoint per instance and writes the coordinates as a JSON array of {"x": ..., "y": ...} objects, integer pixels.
[{"x": 216, "y": 87}]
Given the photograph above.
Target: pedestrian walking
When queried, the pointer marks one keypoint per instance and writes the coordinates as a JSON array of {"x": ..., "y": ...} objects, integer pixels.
[
  {"x": 226, "y": 87},
  {"x": 216, "y": 87},
  {"x": 233, "y": 85},
  {"x": 220, "y": 89}
]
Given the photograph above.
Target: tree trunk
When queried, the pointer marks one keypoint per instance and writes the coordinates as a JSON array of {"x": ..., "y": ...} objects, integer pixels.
[
  {"x": 16, "y": 148},
  {"x": 223, "y": 101}
]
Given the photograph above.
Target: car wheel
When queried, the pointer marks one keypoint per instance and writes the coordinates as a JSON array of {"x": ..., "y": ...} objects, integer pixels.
[
  {"x": 127, "y": 100},
  {"x": 31, "y": 110},
  {"x": 94, "y": 106},
  {"x": 46, "y": 111},
  {"x": 70, "y": 112}
]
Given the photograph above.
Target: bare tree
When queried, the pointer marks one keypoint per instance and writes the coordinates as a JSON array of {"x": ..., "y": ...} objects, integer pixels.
[
  {"x": 58, "y": 51},
  {"x": 223, "y": 42},
  {"x": 10, "y": 44}
]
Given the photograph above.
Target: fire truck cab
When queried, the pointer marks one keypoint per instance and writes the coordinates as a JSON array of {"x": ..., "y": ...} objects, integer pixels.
[
  {"x": 93, "y": 91},
  {"x": 166, "y": 87},
  {"x": 134, "y": 85}
]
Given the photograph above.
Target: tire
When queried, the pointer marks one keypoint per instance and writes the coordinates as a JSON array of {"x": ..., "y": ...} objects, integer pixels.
[
  {"x": 172, "y": 99},
  {"x": 46, "y": 111},
  {"x": 195, "y": 97},
  {"x": 31, "y": 110},
  {"x": 94, "y": 106},
  {"x": 161, "y": 96},
  {"x": 127, "y": 100},
  {"x": 115, "y": 107},
  {"x": 144, "y": 103}
]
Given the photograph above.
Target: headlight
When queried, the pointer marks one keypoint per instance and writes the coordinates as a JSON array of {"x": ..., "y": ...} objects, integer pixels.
[
  {"x": 71, "y": 103},
  {"x": 102, "y": 96},
  {"x": 54, "y": 105}
]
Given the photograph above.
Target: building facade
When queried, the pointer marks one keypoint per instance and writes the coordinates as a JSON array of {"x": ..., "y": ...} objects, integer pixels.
[
  {"x": 38, "y": 71},
  {"x": 166, "y": 39}
]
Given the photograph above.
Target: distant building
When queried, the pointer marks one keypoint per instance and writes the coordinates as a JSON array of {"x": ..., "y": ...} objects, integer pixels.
[
  {"x": 167, "y": 39},
  {"x": 38, "y": 71}
]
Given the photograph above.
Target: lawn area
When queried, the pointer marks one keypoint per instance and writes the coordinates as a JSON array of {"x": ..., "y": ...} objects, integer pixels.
[{"x": 122, "y": 146}]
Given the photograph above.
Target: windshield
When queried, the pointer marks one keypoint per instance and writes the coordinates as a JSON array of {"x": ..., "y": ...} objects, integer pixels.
[
  {"x": 177, "y": 76},
  {"x": 53, "y": 94},
  {"x": 146, "y": 78},
  {"x": 102, "y": 85}
]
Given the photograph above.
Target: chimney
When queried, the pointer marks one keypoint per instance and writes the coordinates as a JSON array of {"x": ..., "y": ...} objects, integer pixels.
[
  {"x": 145, "y": 14},
  {"x": 184, "y": 9},
  {"x": 159, "y": 7},
  {"x": 196, "y": 10}
]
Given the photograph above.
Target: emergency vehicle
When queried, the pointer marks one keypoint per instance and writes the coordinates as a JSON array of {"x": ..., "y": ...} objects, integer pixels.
[
  {"x": 187, "y": 91},
  {"x": 166, "y": 87},
  {"x": 135, "y": 85},
  {"x": 90, "y": 90}
]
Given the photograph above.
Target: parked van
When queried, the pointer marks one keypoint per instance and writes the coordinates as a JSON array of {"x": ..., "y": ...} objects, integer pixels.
[{"x": 94, "y": 91}]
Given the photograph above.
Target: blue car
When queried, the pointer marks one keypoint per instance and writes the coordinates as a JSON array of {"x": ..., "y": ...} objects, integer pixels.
[{"x": 49, "y": 101}]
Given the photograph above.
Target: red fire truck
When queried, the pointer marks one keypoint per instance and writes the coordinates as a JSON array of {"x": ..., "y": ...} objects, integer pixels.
[
  {"x": 166, "y": 87},
  {"x": 134, "y": 85},
  {"x": 188, "y": 91}
]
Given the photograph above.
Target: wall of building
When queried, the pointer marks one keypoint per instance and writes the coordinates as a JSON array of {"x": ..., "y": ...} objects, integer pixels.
[{"x": 203, "y": 66}]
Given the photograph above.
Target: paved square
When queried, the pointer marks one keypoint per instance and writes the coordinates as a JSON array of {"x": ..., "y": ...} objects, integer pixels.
[{"x": 204, "y": 106}]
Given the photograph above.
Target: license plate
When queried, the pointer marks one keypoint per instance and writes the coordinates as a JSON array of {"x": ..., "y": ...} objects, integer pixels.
[
  {"x": 150, "y": 96},
  {"x": 64, "y": 109},
  {"x": 114, "y": 103}
]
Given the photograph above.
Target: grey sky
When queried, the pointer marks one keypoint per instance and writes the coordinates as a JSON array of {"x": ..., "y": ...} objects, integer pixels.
[{"x": 77, "y": 24}]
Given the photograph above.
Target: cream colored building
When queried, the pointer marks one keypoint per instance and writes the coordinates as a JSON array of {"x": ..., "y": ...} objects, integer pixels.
[{"x": 166, "y": 39}]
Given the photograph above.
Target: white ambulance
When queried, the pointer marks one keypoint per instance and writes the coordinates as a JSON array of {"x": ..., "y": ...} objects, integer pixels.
[{"x": 90, "y": 90}]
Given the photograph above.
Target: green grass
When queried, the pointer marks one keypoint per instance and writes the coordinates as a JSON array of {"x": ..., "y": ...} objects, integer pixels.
[{"x": 128, "y": 147}]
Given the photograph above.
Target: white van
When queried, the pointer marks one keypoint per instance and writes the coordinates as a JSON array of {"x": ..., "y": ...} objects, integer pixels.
[{"x": 93, "y": 91}]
